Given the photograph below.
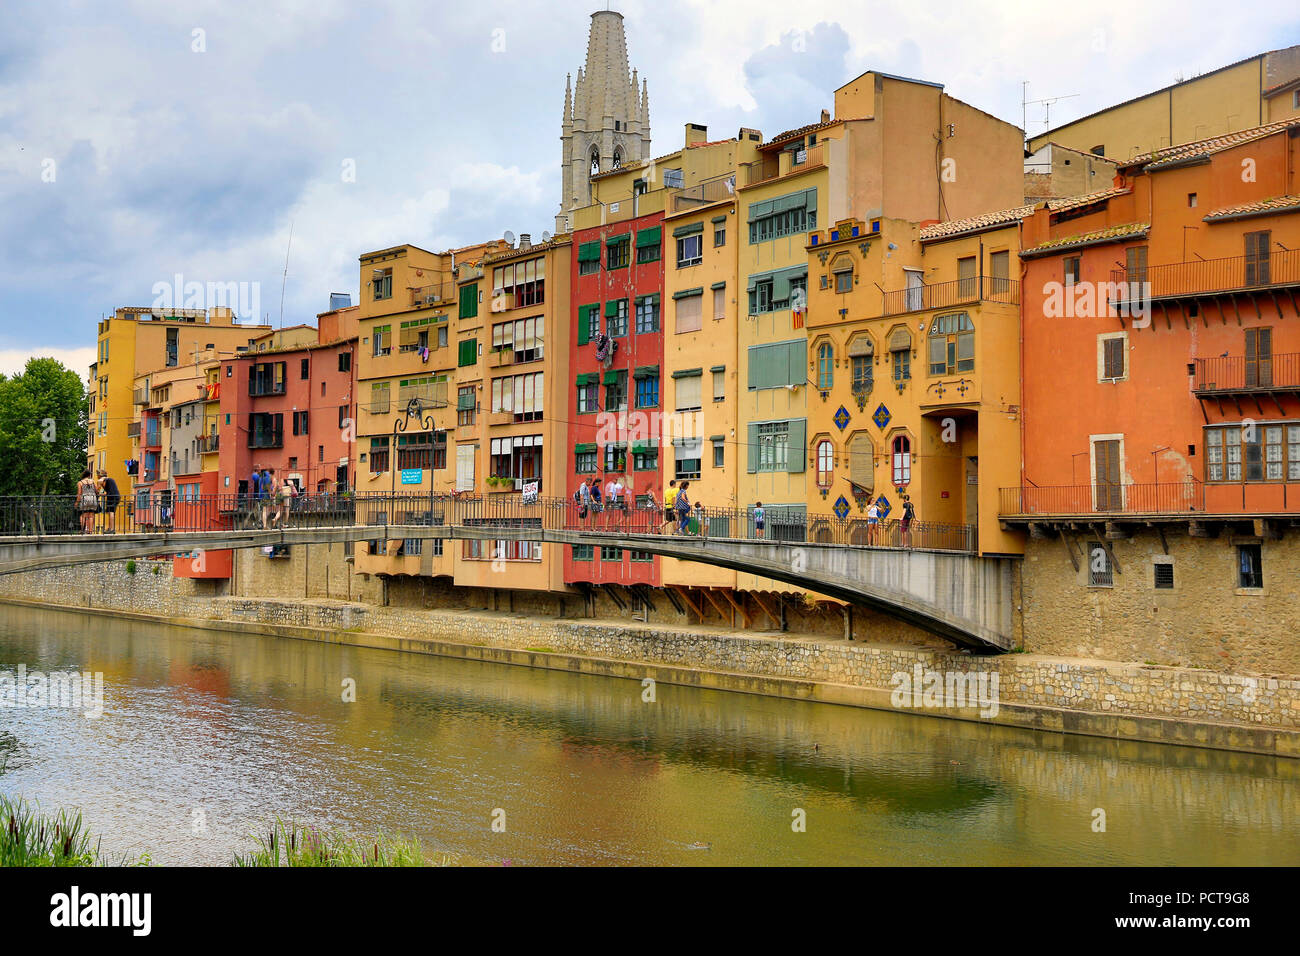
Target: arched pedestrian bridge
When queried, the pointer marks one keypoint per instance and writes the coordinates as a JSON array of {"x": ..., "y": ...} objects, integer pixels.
[{"x": 949, "y": 591}]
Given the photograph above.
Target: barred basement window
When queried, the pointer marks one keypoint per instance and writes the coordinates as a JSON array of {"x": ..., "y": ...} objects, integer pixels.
[
  {"x": 1101, "y": 574},
  {"x": 1164, "y": 576}
]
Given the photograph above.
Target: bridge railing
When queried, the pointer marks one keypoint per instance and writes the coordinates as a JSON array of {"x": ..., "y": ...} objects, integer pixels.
[{"x": 154, "y": 512}]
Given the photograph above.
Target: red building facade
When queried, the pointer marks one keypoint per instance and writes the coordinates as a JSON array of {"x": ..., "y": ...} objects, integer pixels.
[{"x": 616, "y": 400}]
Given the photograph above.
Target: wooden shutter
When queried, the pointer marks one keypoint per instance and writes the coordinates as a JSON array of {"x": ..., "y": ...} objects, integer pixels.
[
  {"x": 1106, "y": 454},
  {"x": 797, "y": 447},
  {"x": 1000, "y": 266},
  {"x": 1257, "y": 245},
  {"x": 1259, "y": 358},
  {"x": 1113, "y": 358},
  {"x": 862, "y": 466}
]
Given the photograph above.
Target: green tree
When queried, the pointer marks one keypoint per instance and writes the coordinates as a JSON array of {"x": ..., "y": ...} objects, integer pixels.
[{"x": 43, "y": 421}]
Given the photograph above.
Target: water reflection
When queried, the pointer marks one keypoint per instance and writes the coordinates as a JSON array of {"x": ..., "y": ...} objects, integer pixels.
[{"x": 240, "y": 727}]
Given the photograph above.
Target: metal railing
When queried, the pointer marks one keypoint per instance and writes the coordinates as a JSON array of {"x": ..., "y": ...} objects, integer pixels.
[
  {"x": 133, "y": 430},
  {"x": 942, "y": 295},
  {"x": 773, "y": 167},
  {"x": 1165, "y": 497},
  {"x": 1235, "y": 373},
  {"x": 439, "y": 293},
  {"x": 702, "y": 194},
  {"x": 164, "y": 511},
  {"x": 1203, "y": 276},
  {"x": 208, "y": 443},
  {"x": 140, "y": 396}
]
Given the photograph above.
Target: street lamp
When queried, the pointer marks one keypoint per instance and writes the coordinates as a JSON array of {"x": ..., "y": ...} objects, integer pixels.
[{"x": 414, "y": 410}]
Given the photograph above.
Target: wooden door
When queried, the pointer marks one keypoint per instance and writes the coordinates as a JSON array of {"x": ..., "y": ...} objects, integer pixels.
[{"x": 1259, "y": 358}]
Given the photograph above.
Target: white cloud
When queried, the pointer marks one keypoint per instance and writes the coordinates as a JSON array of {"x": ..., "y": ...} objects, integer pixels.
[{"x": 13, "y": 361}]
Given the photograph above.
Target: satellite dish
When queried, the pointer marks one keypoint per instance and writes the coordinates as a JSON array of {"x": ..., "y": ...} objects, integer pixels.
[
  {"x": 509, "y": 237},
  {"x": 546, "y": 236}
]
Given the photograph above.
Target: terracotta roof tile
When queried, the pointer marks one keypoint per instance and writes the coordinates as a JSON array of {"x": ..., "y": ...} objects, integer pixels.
[
  {"x": 1160, "y": 158},
  {"x": 1077, "y": 202},
  {"x": 1260, "y": 207},
  {"x": 1111, "y": 234},
  {"x": 956, "y": 227}
]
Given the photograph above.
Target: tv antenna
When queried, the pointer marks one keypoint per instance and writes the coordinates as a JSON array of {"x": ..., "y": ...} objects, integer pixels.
[
  {"x": 285, "y": 277},
  {"x": 1046, "y": 103}
]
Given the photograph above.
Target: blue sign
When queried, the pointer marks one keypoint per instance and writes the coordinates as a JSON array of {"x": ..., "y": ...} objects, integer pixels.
[{"x": 412, "y": 476}]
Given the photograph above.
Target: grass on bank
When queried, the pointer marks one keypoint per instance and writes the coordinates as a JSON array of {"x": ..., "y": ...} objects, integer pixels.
[{"x": 31, "y": 838}]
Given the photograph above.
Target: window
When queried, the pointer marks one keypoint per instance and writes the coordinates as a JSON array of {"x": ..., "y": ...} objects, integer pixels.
[
  {"x": 825, "y": 463},
  {"x": 522, "y": 339},
  {"x": 1111, "y": 355},
  {"x": 782, "y": 289},
  {"x": 584, "y": 460},
  {"x": 1107, "y": 487},
  {"x": 519, "y": 457},
  {"x": 1101, "y": 572},
  {"x": 999, "y": 272},
  {"x": 588, "y": 394},
  {"x": 1260, "y": 452},
  {"x": 689, "y": 307},
  {"x": 520, "y": 395},
  {"x": 518, "y": 284},
  {"x": 616, "y": 456},
  {"x": 1135, "y": 263},
  {"x": 322, "y": 389},
  {"x": 862, "y": 463},
  {"x": 687, "y": 454},
  {"x": 378, "y": 454},
  {"x": 1257, "y": 257},
  {"x": 1099, "y": 150},
  {"x": 825, "y": 366},
  {"x": 413, "y": 335},
  {"x": 649, "y": 243},
  {"x": 611, "y": 554},
  {"x": 468, "y": 302},
  {"x": 844, "y": 281},
  {"x": 345, "y": 361},
  {"x": 900, "y": 350},
  {"x": 1250, "y": 566},
  {"x": 778, "y": 364},
  {"x": 466, "y": 404},
  {"x": 265, "y": 430},
  {"x": 343, "y": 416},
  {"x": 952, "y": 344},
  {"x": 719, "y": 302},
  {"x": 468, "y": 353},
  {"x": 647, "y": 392},
  {"x": 588, "y": 258},
  {"x": 379, "y": 398},
  {"x": 719, "y": 384},
  {"x": 1070, "y": 267},
  {"x": 616, "y": 391},
  {"x": 1259, "y": 358},
  {"x": 430, "y": 389},
  {"x": 902, "y": 461},
  {"x": 647, "y": 313},
  {"x": 414, "y": 451},
  {"x": 300, "y": 423},
  {"x": 860, "y": 365},
  {"x": 380, "y": 339},
  {"x": 719, "y": 453},
  {"x": 266, "y": 378},
  {"x": 719, "y": 235},
  {"x": 617, "y": 252},
  {"x": 645, "y": 457},
  {"x": 581, "y": 552},
  {"x": 616, "y": 318},
  {"x": 966, "y": 277},
  {"x": 1191, "y": 204},
  {"x": 783, "y": 216},
  {"x": 690, "y": 250},
  {"x": 442, "y": 344},
  {"x": 644, "y": 557},
  {"x": 687, "y": 386},
  {"x": 773, "y": 445},
  {"x": 304, "y": 367},
  {"x": 1163, "y": 576},
  {"x": 381, "y": 284}
]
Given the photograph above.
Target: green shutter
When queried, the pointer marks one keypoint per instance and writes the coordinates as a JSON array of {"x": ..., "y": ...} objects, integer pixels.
[
  {"x": 796, "y": 369},
  {"x": 587, "y": 378},
  {"x": 584, "y": 324},
  {"x": 465, "y": 400},
  {"x": 468, "y": 352},
  {"x": 757, "y": 210},
  {"x": 690, "y": 230},
  {"x": 649, "y": 237},
  {"x": 810, "y": 203},
  {"x": 611, "y": 377},
  {"x": 468, "y": 301},
  {"x": 752, "y": 446},
  {"x": 589, "y": 252},
  {"x": 584, "y": 447},
  {"x": 642, "y": 447},
  {"x": 719, "y": 218},
  {"x": 611, "y": 307},
  {"x": 780, "y": 286},
  {"x": 796, "y": 454}
]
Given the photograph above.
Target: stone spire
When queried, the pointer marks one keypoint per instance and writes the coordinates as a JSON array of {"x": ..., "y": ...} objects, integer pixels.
[{"x": 606, "y": 117}]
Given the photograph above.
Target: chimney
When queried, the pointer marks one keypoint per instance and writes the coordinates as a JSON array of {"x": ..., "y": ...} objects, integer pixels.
[
  {"x": 826, "y": 116},
  {"x": 752, "y": 135},
  {"x": 695, "y": 133},
  {"x": 525, "y": 240}
]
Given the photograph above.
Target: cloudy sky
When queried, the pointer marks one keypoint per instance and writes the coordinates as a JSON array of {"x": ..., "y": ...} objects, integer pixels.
[{"x": 133, "y": 148}]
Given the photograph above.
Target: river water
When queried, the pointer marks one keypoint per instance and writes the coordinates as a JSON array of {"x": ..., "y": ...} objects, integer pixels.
[{"x": 219, "y": 732}]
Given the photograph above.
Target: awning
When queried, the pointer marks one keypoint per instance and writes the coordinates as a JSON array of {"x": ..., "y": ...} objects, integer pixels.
[
  {"x": 589, "y": 252},
  {"x": 688, "y": 372},
  {"x": 687, "y": 293},
  {"x": 718, "y": 285},
  {"x": 649, "y": 237},
  {"x": 688, "y": 230},
  {"x": 584, "y": 447},
  {"x": 646, "y": 371},
  {"x": 611, "y": 377},
  {"x": 718, "y": 368},
  {"x": 719, "y": 218},
  {"x": 588, "y": 378}
]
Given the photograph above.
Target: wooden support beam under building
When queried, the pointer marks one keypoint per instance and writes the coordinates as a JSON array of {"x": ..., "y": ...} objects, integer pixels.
[
  {"x": 724, "y": 612},
  {"x": 776, "y": 618},
  {"x": 685, "y": 596},
  {"x": 745, "y": 616}
]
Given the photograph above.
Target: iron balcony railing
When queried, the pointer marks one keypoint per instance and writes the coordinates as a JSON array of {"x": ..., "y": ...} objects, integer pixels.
[
  {"x": 783, "y": 164},
  {"x": 702, "y": 194},
  {"x": 943, "y": 295},
  {"x": 208, "y": 443},
  {"x": 140, "y": 396},
  {"x": 133, "y": 430},
  {"x": 439, "y": 293},
  {"x": 159, "y": 511},
  {"x": 1165, "y": 497},
  {"x": 1207, "y": 276},
  {"x": 1237, "y": 373}
]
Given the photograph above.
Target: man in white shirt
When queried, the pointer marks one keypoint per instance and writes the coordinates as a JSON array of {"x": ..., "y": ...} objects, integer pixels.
[{"x": 613, "y": 494}]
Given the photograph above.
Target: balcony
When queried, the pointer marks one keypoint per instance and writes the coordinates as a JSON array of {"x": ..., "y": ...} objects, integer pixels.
[
  {"x": 266, "y": 438},
  {"x": 133, "y": 430},
  {"x": 1104, "y": 501},
  {"x": 702, "y": 194},
  {"x": 427, "y": 296},
  {"x": 258, "y": 389},
  {"x": 140, "y": 396},
  {"x": 208, "y": 444},
  {"x": 1239, "y": 375},
  {"x": 1209, "y": 277},
  {"x": 943, "y": 295},
  {"x": 783, "y": 164}
]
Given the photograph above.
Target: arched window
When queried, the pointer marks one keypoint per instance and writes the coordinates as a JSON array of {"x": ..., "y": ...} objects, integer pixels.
[
  {"x": 860, "y": 359},
  {"x": 825, "y": 366},
  {"x": 595, "y": 161},
  {"x": 842, "y": 269},
  {"x": 900, "y": 348},
  {"x": 902, "y": 461},
  {"x": 952, "y": 344},
  {"x": 825, "y": 462},
  {"x": 618, "y": 158}
]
